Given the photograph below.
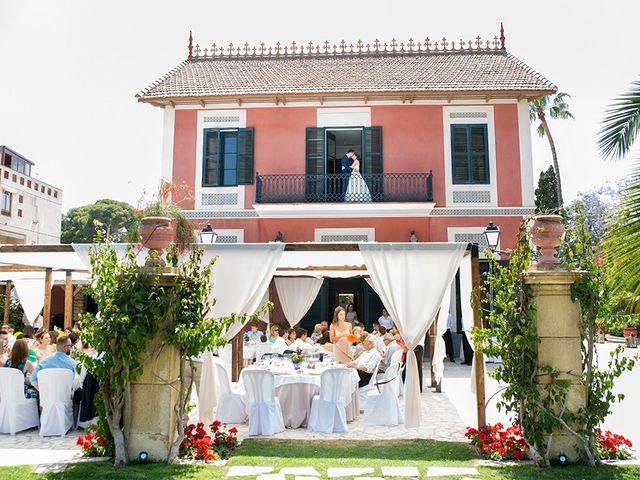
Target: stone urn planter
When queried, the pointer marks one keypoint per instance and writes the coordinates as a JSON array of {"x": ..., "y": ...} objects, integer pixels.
[
  {"x": 547, "y": 233},
  {"x": 156, "y": 233}
]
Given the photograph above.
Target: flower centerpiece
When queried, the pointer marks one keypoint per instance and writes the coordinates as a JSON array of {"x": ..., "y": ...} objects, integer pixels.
[{"x": 297, "y": 358}]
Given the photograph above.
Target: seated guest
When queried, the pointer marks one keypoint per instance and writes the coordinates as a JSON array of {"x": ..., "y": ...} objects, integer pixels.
[
  {"x": 279, "y": 345},
  {"x": 375, "y": 326},
  {"x": 366, "y": 363},
  {"x": 394, "y": 330},
  {"x": 317, "y": 333},
  {"x": 382, "y": 331},
  {"x": 7, "y": 328},
  {"x": 254, "y": 334},
  {"x": 302, "y": 342},
  {"x": 42, "y": 345},
  {"x": 325, "y": 341},
  {"x": 263, "y": 347},
  {"x": 18, "y": 360},
  {"x": 290, "y": 336},
  {"x": 325, "y": 325},
  {"x": 274, "y": 333},
  {"x": 76, "y": 344},
  {"x": 392, "y": 346},
  {"x": 4, "y": 348},
  {"x": 60, "y": 359}
]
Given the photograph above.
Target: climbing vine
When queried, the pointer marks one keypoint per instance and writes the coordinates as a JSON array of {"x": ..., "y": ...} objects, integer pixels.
[{"x": 537, "y": 395}]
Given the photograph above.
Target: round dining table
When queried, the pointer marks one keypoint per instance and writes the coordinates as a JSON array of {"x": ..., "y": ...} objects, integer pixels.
[{"x": 295, "y": 390}]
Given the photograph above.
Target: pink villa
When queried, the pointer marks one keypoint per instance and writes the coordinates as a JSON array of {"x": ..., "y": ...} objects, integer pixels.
[{"x": 257, "y": 134}]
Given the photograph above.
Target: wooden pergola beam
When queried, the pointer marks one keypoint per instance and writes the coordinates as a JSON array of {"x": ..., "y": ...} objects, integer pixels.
[
  {"x": 48, "y": 281},
  {"x": 16, "y": 267},
  {"x": 36, "y": 248},
  {"x": 7, "y": 303},
  {"x": 478, "y": 357},
  {"x": 68, "y": 300}
]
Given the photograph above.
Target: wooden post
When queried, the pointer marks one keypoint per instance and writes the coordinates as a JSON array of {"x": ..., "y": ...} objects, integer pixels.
[
  {"x": 477, "y": 356},
  {"x": 236, "y": 356},
  {"x": 68, "y": 300},
  {"x": 432, "y": 347},
  {"x": 7, "y": 303},
  {"x": 48, "y": 282}
]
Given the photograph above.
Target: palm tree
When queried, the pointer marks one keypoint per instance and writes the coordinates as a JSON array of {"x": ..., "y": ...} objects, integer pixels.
[
  {"x": 616, "y": 138},
  {"x": 557, "y": 108}
]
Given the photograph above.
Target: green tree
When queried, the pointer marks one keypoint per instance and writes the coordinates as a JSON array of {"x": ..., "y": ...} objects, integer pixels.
[
  {"x": 116, "y": 218},
  {"x": 616, "y": 138},
  {"x": 547, "y": 192},
  {"x": 557, "y": 108}
]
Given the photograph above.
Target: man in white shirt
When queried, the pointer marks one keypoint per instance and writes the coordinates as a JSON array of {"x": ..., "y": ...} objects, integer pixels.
[
  {"x": 302, "y": 342},
  {"x": 385, "y": 320},
  {"x": 366, "y": 363}
]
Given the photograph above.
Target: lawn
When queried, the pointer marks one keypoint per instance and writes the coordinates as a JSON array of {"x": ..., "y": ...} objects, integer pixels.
[{"x": 321, "y": 455}]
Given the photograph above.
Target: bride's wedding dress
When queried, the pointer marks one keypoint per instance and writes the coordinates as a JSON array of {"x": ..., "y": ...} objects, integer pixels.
[{"x": 357, "y": 190}]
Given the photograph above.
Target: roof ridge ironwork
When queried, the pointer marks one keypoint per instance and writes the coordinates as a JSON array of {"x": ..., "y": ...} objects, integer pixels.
[{"x": 311, "y": 50}]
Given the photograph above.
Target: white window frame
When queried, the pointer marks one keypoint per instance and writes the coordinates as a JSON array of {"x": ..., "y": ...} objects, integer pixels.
[
  {"x": 199, "y": 190},
  {"x": 492, "y": 186}
]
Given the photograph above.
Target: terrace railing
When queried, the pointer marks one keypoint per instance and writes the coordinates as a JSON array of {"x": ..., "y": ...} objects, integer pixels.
[{"x": 334, "y": 187}]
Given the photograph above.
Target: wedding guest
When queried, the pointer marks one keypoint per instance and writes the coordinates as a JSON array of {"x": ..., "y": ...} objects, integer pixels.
[
  {"x": 290, "y": 336},
  {"x": 325, "y": 325},
  {"x": 254, "y": 334},
  {"x": 60, "y": 359},
  {"x": 18, "y": 359},
  {"x": 317, "y": 333},
  {"x": 302, "y": 342},
  {"x": 448, "y": 340},
  {"x": 366, "y": 363},
  {"x": 325, "y": 342},
  {"x": 352, "y": 315},
  {"x": 385, "y": 320},
  {"x": 382, "y": 331},
  {"x": 338, "y": 333},
  {"x": 375, "y": 326},
  {"x": 7, "y": 328},
  {"x": 53, "y": 334},
  {"x": 42, "y": 345},
  {"x": 274, "y": 333}
]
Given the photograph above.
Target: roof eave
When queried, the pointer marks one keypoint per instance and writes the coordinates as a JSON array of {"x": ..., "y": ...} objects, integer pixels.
[{"x": 404, "y": 96}]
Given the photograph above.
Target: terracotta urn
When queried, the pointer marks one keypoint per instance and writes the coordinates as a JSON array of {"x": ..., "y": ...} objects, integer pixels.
[
  {"x": 629, "y": 331},
  {"x": 547, "y": 233},
  {"x": 156, "y": 233}
]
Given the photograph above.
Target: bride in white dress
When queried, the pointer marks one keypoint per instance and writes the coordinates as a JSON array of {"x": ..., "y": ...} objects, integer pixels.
[{"x": 357, "y": 190}]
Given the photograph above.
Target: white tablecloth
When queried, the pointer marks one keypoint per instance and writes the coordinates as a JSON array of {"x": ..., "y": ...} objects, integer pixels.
[{"x": 295, "y": 390}]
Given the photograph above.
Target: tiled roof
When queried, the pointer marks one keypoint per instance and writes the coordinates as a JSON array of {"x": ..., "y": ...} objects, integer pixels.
[{"x": 441, "y": 72}]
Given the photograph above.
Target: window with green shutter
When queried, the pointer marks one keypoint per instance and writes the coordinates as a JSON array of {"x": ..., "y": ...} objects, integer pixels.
[
  {"x": 470, "y": 154},
  {"x": 227, "y": 157}
]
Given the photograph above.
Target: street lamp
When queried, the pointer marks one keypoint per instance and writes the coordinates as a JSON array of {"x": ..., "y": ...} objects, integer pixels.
[
  {"x": 492, "y": 235},
  {"x": 207, "y": 235}
]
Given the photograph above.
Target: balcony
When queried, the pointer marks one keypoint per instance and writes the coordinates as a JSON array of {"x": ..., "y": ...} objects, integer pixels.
[{"x": 329, "y": 188}]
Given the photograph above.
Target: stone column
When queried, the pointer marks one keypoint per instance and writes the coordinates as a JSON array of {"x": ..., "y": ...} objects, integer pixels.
[
  {"x": 558, "y": 326},
  {"x": 150, "y": 411}
]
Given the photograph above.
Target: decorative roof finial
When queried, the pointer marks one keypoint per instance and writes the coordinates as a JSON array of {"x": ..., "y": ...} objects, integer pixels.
[
  {"x": 501, "y": 36},
  {"x": 190, "y": 47}
]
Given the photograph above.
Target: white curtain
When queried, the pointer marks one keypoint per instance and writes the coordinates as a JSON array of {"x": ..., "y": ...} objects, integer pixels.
[
  {"x": 411, "y": 280},
  {"x": 241, "y": 275},
  {"x": 440, "y": 351},
  {"x": 296, "y": 296},
  {"x": 82, "y": 251},
  {"x": 31, "y": 295}
]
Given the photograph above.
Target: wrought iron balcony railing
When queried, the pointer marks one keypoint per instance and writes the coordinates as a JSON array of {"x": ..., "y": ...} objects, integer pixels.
[{"x": 334, "y": 187}]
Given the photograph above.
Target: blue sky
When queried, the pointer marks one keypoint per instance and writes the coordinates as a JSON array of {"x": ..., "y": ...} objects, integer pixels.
[{"x": 69, "y": 71}]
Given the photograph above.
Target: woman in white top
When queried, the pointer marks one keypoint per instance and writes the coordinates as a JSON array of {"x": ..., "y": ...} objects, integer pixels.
[
  {"x": 338, "y": 333},
  {"x": 352, "y": 315}
]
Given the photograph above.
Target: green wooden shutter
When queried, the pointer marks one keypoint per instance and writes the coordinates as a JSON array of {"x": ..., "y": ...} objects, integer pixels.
[
  {"x": 245, "y": 156},
  {"x": 316, "y": 164},
  {"x": 211, "y": 158},
  {"x": 372, "y": 157}
]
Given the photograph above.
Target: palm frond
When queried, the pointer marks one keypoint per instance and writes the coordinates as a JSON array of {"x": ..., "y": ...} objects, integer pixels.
[
  {"x": 621, "y": 125},
  {"x": 560, "y": 108},
  {"x": 540, "y": 130},
  {"x": 623, "y": 243}
]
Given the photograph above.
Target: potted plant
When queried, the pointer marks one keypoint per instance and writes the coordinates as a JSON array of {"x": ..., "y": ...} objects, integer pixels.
[
  {"x": 162, "y": 223},
  {"x": 297, "y": 359}
]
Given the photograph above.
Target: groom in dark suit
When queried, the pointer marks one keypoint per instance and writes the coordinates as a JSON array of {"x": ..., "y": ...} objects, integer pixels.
[{"x": 346, "y": 171}]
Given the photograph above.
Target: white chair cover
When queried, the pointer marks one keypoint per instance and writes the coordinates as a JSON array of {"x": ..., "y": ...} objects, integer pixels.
[
  {"x": 328, "y": 413},
  {"x": 371, "y": 385},
  {"x": 56, "y": 389},
  {"x": 16, "y": 412},
  {"x": 396, "y": 359},
  {"x": 265, "y": 414},
  {"x": 382, "y": 408},
  {"x": 231, "y": 408}
]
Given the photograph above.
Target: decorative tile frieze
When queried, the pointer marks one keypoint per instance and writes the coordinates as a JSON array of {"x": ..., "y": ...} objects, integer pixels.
[{"x": 464, "y": 196}]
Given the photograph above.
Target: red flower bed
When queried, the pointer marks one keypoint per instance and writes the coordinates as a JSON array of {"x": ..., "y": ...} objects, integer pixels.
[
  {"x": 94, "y": 443},
  {"x": 612, "y": 446},
  {"x": 199, "y": 445},
  {"x": 497, "y": 443}
]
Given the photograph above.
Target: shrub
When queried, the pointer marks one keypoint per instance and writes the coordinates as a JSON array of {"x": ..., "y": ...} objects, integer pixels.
[
  {"x": 96, "y": 441},
  {"x": 198, "y": 445}
]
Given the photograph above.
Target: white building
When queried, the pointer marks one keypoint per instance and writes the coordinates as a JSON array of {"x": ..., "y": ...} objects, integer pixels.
[{"x": 30, "y": 210}]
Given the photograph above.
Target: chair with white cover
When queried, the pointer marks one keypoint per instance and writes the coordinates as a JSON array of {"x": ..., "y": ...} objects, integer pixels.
[
  {"x": 16, "y": 412},
  {"x": 371, "y": 385},
  {"x": 381, "y": 407},
  {"x": 328, "y": 412},
  {"x": 263, "y": 407},
  {"x": 396, "y": 359},
  {"x": 231, "y": 408},
  {"x": 56, "y": 390},
  {"x": 262, "y": 349}
]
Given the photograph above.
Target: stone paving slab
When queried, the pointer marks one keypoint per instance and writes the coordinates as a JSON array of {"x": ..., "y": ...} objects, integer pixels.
[
  {"x": 247, "y": 471},
  {"x": 271, "y": 476},
  {"x": 304, "y": 471},
  {"x": 400, "y": 472},
  {"x": 348, "y": 472},
  {"x": 306, "y": 478},
  {"x": 451, "y": 471}
]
